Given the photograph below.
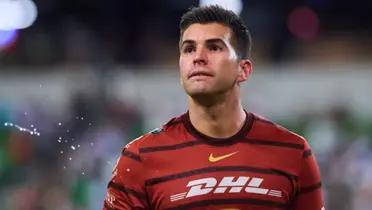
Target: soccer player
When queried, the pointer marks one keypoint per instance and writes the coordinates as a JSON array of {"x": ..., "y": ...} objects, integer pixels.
[{"x": 217, "y": 155}]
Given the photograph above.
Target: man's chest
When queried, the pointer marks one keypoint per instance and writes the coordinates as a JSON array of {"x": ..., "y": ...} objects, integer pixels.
[{"x": 219, "y": 178}]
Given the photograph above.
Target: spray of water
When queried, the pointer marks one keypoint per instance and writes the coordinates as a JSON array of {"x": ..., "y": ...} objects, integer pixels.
[{"x": 31, "y": 132}]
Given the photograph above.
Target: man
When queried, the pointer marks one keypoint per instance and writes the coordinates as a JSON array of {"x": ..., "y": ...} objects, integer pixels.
[{"x": 216, "y": 155}]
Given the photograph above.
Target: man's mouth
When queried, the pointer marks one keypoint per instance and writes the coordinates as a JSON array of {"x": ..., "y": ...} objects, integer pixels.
[{"x": 200, "y": 73}]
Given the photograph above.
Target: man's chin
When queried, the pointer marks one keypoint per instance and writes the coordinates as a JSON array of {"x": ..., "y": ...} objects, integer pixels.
[
  {"x": 202, "y": 94},
  {"x": 199, "y": 93}
]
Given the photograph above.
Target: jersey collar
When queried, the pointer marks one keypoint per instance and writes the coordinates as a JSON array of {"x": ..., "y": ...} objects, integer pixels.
[{"x": 219, "y": 141}]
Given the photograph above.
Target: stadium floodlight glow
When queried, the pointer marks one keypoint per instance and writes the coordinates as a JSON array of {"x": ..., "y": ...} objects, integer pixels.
[
  {"x": 7, "y": 38},
  {"x": 234, "y": 5},
  {"x": 17, "y": 14},
  {"x": 303, "y": 23}
]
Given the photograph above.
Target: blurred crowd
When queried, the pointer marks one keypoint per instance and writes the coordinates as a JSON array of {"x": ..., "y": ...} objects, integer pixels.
[
  {"x": 343, "y": 147},
  {"x": 146, "y": 32},
  {"x": 68, "y": 166}
]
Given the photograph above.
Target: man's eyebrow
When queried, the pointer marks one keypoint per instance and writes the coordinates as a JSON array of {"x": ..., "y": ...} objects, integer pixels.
[
  {"x": 187, "y": 41},
  {"x": 208, "y": 41},
  {"x": 216, "y": 40}
]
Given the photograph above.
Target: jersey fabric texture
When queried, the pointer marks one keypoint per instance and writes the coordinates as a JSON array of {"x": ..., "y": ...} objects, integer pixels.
[{"x": 262, "y": 167}]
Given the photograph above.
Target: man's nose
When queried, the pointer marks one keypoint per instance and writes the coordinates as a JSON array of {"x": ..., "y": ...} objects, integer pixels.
[{"x": 201, "y": 56}]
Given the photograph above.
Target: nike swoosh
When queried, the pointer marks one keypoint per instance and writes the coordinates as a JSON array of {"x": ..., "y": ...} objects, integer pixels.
[{"x": 218, "y": 158}]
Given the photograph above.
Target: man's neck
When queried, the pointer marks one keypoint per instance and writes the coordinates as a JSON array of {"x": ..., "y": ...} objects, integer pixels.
[{"x": 220, "y": 120}]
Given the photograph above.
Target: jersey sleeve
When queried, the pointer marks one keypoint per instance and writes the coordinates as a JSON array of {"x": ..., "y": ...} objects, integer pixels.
[
  {"x": 126, "y": 190},
  {"x": 310, "y": 195}
]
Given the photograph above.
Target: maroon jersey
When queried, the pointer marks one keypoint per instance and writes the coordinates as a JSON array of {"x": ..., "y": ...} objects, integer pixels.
[{"x": 262, "y": 167}]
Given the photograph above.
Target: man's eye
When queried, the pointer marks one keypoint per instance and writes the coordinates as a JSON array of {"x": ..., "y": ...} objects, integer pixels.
[
  {"x": 188, "y": 49},
  {"x": 215, "y": 48}
]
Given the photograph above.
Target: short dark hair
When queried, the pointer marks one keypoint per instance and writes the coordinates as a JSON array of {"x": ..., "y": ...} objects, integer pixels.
[{"x": 241, "y": 38}]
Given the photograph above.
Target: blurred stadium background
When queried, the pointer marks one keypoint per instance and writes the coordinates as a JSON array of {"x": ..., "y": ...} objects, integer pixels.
[{"x": 91, "y": 75}]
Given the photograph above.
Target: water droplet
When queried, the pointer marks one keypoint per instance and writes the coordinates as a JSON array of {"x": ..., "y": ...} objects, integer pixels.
[
  {"x": 90, "y": 124},
  {"x": 59, "y": 140},
  {"x": 61, "y": 152},
  {"x": 66, "y": 141},
  {"x": 31, "y": 125},
  {"x": 35, "y": 129},
  {"x": 72, "y": 147},
  {"x": 64, "y": 167},
  {"x": 91, "y": 144},
  {"x": 78, "y": 145},
  {"x": 72, "y": 139},
  {"x": 40, "y": 85},
  {"x": 128, "y": 169},
  {"x": 82, "y": 118},
  {"x": 59, "y": 123},
  {"x": 67, "y": 131},
  {"x": 70, "y": 158},
  {"x": 21, "y": 128},
  {"x": 83, "y": 173}
]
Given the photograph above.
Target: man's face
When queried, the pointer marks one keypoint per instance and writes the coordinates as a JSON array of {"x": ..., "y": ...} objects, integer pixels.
[{"x": 208, "y": 62}]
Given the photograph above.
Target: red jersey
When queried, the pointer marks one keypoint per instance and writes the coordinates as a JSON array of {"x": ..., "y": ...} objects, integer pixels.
[{"x": 262, "y": 167}]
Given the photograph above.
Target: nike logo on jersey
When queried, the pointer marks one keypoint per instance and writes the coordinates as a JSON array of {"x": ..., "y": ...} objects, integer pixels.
[{"x": 218, "y": 158}]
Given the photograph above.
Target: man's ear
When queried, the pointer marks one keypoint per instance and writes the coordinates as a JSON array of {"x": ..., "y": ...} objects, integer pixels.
[{"x": 245, "y": 70}]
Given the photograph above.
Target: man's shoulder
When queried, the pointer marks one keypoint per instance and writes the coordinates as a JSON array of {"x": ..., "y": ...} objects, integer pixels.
[
  {"x": 268, "y": 129},
  {"x": 160, "y": 135}
]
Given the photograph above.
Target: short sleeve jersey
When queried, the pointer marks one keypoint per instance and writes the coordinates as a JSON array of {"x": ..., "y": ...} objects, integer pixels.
[{"x": 262, "y": 167}]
